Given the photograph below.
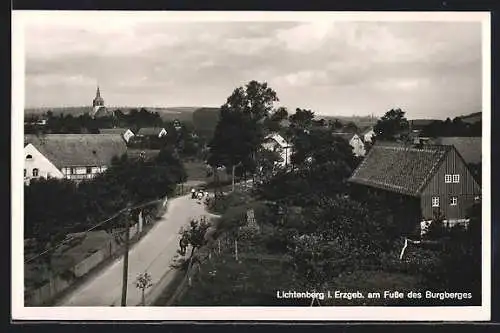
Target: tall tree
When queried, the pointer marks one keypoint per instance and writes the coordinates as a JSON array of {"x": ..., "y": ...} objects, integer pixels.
[
  {"x": 239, "y": 132},
  {"x": 391, "y": 125}
]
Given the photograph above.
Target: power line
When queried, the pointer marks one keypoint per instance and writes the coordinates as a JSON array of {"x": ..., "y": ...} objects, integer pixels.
[{"x": 92, "y": 228}]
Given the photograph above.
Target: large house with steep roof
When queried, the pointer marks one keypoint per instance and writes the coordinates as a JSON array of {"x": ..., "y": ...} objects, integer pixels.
[
  {"x": 436, "y": 175},
  {"x": 70, "y": 156},
  {"x": 357, "y": 144}
]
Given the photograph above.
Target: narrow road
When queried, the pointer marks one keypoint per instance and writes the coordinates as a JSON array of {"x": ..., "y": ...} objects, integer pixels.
[{"x": 153, "y": 253}]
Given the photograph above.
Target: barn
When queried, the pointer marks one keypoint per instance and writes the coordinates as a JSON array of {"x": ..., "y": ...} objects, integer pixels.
[{"x": 436, "y": 176}]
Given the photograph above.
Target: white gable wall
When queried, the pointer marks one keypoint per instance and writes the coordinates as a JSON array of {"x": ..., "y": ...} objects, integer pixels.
[
  {"x": 369, "y": 136},
  {"x": 39, "y": 161},
  {"x": 127, "y": 135},
  {"x": 163, "y": 132},
  {"x": 358, "y": 147}
]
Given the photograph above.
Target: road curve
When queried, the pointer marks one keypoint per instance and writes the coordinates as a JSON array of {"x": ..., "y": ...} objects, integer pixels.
[{"x": 153, "y": 253}]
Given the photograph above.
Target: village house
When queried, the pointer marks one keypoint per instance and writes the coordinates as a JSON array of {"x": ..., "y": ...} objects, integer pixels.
[
  {"x": 436, "y": 176},
  {"x": 125, "y": 133},
  {"x": 368, "y": 134},
  {"x": 70, "y": 156},
  {"x": 275, "y": 142},
  {"x": 358, "y": 146}
]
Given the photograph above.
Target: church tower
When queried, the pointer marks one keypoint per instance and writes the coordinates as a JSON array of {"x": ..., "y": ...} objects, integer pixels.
[
  {"x": 98, "y": 108},
  {"x": 98, "y": 101}
]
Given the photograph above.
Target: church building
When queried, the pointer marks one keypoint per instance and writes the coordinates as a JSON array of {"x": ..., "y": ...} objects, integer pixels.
[{"x": 98, "y": 108}]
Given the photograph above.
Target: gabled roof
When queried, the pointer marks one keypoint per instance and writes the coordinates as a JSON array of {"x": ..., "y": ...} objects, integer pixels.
[
  {"x": 399, "y": 168},
  {"x": 149, "y": 131},
  {"x": 367, "y": 130},
  {"x": 113, "y": 130},
  {"x": 278, "y": 139},
  {"x": 469, "y": 148},
  {"x": 65, "y": 150}
]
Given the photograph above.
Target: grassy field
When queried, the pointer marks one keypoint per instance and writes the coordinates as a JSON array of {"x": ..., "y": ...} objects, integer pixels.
[
  {"x": 256, "y": 277},
  {"x": 223, "y": 281}
]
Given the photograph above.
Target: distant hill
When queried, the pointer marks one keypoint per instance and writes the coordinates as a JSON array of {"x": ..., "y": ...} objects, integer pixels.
[
  {"x": 360, "y": 122},
  {"x": 182, "y": 113},
  {"x": 472, "y": 118},
  {"x": 205, "y": 120}
]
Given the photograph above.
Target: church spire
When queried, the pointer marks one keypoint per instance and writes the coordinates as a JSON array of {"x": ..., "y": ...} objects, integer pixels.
[{"x": 98, "y": 101}]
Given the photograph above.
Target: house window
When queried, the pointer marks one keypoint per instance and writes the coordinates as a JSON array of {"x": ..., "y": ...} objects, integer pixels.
[
  {"x": 72, "y": 171},
  {"x": 89, "y": 170},
  {"x": 453, "y": 201},
  {"x": 456, "y": 178},
  {"x": 35, "y": 172},
  {"x": 435, "y": 201},
  {"x": 447, "y": 178},
  {"x": 24, "y": 172},
  {"x": 29, "y": 157}
]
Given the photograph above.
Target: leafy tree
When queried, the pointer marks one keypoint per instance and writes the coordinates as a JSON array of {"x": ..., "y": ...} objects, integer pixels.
[
  {"x": 460, "y": 257},
  {"x": 391, "y": 125},
  {"x": 351, "y": 127},
  {"x": 335, "y": 125},
  {"x": 272, "y": 124},
  {"x": 143, "y": 282},
  {"x": 239, "y": 132},
  {"x": 194, "y": 236},
  {"x": 301, "y": 120},
  {"x": 323, "y": 162}
]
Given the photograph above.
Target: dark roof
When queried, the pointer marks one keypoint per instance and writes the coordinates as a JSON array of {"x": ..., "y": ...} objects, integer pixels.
[
  {"x": 399, "y": 168},
  {"x": 65, "y": 150},
  {"x": 113, "y": 130},
  {"x": 469, "y": 148},
  {"x": 150, "y": 131},
  {"x": 278, "y": 139}
]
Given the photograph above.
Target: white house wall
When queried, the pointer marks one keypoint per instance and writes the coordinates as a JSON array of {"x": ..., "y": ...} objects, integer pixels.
[
  {"x": 369, "y": 136},
  {"x": 128, "y": 135},
  {"x": 39, "y": 161},
  {"x": 358, "y": 147}
]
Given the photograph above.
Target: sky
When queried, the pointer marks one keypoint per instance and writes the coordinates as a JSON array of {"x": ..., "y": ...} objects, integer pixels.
[{"x": 334, "y": 67}]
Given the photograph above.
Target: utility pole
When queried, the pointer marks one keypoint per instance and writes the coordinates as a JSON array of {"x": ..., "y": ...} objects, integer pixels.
[
  {"x": 125, "y": 257},
  {"x": 232, "y": 187}
]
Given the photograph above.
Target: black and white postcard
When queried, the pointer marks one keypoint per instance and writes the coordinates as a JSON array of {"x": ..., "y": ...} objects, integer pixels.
[{"x": 251, "y": 166}]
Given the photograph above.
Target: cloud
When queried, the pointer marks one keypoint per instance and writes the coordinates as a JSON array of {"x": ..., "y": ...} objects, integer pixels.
[{"x": 329, "y": 66}]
